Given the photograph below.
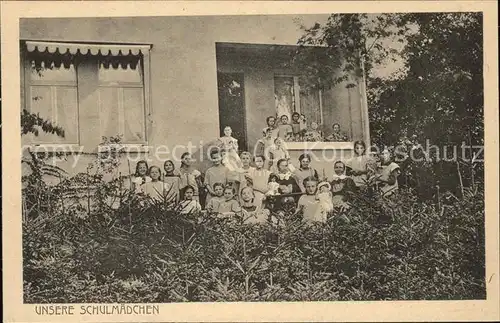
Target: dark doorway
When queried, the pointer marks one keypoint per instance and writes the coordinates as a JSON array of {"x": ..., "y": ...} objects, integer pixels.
[{"x": 232, "y": 106}]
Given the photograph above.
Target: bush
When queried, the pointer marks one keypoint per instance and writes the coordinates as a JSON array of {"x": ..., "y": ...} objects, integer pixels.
[{"x": 381, "y": 249}]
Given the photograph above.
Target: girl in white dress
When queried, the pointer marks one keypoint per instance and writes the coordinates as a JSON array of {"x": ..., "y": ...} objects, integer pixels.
[
  {"x": 324, "y": 195},
  {"x": 260, "y": 179},
  {"x": 141, "y": 176},
  {"x": 264, "y": 146},
  {"x": 230, "y": 145},
  {"x": 156, "y": 189}
]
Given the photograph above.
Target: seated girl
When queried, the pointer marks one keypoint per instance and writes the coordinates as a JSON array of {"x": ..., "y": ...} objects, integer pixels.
[
  {"x": 252, "y": 213},
  {"x": 324, "y": 196},
  {"x": 213, "y": 204},
  {"x": 313, "y": 134},
  {"x": 360, "y": 166},
  {"x": 337, "y": 135},
  {"x": 189, "y": 204},
  {"x": 285, "y": 176},
  {"x": 173, "y": 180},
  {"x": 308, "y": 204},
  {"x": 228, "y": 205},
  {"x": 388, "y": 174}
]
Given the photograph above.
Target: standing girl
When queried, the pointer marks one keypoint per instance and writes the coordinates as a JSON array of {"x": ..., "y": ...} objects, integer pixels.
[
  {"x": 188, "y": 176},
  {"x": 296, "y": 127},
  {"x": 305, "y": 171},
  {"x": 141, "y": 176},
  {"x": 309, "y": 204},
  {"x": 264, "y": 145},
  {"x": 252, "y": 213},
  {"x": 260, "y": 179},
  {"x": 285, "y": 129},
  {"x": 155, "y": 189},
  {"x": 246, "y": 159},
  {"x": 246, "y": 172},
  {"x": 279, "y": 151},
  {"x": 213, "y": 204},
  {"x": 173, "y": 180},
  {"x": 271, "y": 123},
  {"x": 285, "y": 177},
  {"x": 218, "y": 173},
  {"x": 359, "y": 166},
  {"x": 229, "y": 145}
]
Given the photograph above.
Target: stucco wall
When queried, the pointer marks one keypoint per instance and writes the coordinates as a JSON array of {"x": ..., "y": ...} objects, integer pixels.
[{"x": 184, "y": 69}]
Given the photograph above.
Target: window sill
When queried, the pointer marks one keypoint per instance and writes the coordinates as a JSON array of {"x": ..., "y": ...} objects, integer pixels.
[
  {"x": 124, "y": 148},
  {"x": 56, "y": 148},
  {"x": 347, "y": 145},
  {"x": 79, "y": 149}
]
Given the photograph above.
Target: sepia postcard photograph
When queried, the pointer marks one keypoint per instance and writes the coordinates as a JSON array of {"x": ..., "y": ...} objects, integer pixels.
[{"x": 260, "y": 161}]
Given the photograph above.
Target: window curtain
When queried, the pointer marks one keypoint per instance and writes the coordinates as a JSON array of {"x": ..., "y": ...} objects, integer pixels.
[
  {"x": 67, "y": 112},
  {"x": 121, "y": 97},
  {"x": 133, "y": 107},
  {"x": 109, "y": 111},
  {"x": 284, "y": 96}
]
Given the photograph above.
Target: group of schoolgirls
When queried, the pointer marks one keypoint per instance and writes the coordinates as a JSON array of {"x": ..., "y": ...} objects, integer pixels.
[
  {"x": 224, "y": 191},
  {"x": 254, "y": 186}
]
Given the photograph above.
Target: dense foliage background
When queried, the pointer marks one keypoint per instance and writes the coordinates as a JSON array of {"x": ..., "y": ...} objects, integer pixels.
[
  {"x": 433, "y": 95},
  {"x": 427, "y": 243}
]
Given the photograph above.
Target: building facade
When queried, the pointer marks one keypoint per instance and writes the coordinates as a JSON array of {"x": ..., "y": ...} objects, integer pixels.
[{"x": 166, "y": 83}]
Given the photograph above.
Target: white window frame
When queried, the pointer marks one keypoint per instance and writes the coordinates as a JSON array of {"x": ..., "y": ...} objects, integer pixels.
[
  {"x": 121, "y": 117},
  {"x": 28, "y": 83},
  {"x": 77, "y": 147}
]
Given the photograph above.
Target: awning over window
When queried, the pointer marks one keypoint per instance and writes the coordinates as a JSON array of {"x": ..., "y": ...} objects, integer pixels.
[{"x": 84, "y": 49}]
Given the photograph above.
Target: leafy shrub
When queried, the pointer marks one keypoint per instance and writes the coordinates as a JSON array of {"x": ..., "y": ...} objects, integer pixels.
[{"x": 380, "y": 249}]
